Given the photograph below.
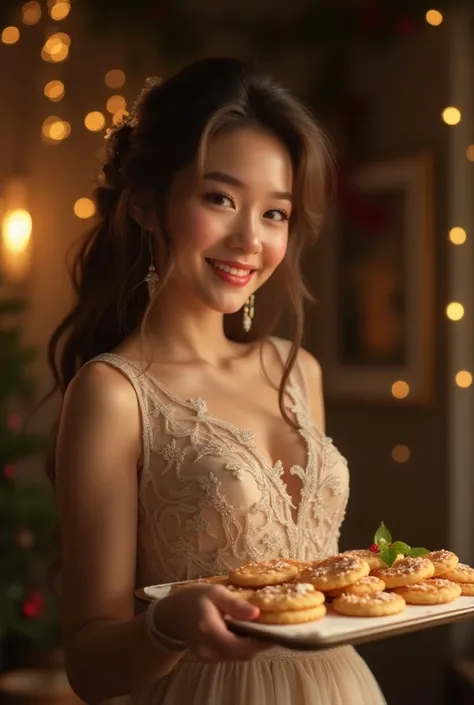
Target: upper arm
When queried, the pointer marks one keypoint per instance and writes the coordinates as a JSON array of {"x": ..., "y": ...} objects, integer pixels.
[
  {"x": 314, "y": 387},
  {"x": 98, "y": 451}
]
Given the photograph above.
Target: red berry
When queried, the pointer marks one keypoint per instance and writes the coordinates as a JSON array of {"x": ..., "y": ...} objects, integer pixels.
[{"x": 374, "y": 548}]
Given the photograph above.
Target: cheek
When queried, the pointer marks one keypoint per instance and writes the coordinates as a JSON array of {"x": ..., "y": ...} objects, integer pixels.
[
  {"x": 192, "y": 228},
  {"x": 275, "y": 251}
]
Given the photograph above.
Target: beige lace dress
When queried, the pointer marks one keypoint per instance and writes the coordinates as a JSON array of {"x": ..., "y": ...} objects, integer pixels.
[{"x": 209, "y": 501}]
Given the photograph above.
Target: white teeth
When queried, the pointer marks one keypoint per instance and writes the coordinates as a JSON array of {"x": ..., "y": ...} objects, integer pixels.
[{"x": 231, "y": 270}]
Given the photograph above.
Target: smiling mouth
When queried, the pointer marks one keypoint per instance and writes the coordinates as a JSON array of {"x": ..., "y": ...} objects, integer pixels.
[{"x": 241, "y": 271}]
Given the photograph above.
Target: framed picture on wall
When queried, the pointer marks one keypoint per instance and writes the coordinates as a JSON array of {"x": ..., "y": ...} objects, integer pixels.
[{"x": 378, "y": 343}]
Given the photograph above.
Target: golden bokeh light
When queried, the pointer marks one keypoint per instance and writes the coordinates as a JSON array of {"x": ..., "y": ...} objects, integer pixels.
[
  {"x": 55, "y": 130},
  {"x": 463, "y": 379},
  {"x": 60, "y": 10},
  {"x": 457, "y": 235},
  {"x": 115, "y": 78},
  {"x": 84, "y": 208},
  {"x": 56, "y": 47},
  {"x": 16, "y": 230},
  {"x": 434, "y": 18},
  {"x": 400, "y": 389},
  {"x": 451, "y": 115},
  {"x": 31, "y": 12},
  {"x": 455, "y": 311},
  {"x": 116, "y": 103},
  {"x": 54, "y": 90},
  {"x": 10, "y": 35},
  {"x": 119, "y": 115},
  {"x": 400, "y": 453},
  {"x": 94, "y": 121},
  {"x": 470, "y": 152}
]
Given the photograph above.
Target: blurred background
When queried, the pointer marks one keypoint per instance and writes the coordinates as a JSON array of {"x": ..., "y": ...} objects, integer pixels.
[{"x": 392, "y": 83}]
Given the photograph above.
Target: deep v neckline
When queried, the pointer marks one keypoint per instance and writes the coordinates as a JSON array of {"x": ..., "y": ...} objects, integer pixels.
[{"x": 245, "y": 436}]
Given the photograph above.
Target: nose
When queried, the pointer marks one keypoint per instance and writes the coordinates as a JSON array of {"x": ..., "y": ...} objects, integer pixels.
[{"x": 246, "y": 237}]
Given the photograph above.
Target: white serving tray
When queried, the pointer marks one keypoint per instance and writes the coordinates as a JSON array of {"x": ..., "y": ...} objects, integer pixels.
[{"x": 337, "y": 630}]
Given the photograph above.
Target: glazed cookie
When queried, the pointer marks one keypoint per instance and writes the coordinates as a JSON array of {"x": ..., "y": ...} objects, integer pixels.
[
  {"x": 443, "y": 561},
  {"x": 381, "y": 604},
  {"x": 311, "y": 614},
  {"x": 335, "y": 572},
  {"x": 373, "y": 559},
  {"x": 287, "y": 597},
  {"x": 467, "y": 589},
  {"x": 406, "y": 571},
  {"x": 462, "y": 573},
  {"x": 434, "y": 591},
  {"x": 365, "y": 586},
  {"x": 265, "y": 573}
]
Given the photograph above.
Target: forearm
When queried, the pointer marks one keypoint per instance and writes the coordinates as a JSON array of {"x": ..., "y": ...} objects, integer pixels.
[{"x": 108, "y": 659}]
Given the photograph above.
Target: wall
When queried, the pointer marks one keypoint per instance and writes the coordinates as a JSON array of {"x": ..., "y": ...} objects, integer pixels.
[{"x": 406, "y": 88}]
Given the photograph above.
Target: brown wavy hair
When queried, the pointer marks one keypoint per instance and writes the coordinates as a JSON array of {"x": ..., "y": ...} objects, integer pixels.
[{"x": 170, "y": 127}]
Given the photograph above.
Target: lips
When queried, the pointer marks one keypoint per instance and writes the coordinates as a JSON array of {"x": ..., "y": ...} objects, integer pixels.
[{"x": 236, "y": 273}]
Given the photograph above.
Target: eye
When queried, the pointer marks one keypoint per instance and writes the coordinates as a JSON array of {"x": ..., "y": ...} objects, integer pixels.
[
  {"x": 220, "y": 199},
  {"x": 278, "y": 215}
]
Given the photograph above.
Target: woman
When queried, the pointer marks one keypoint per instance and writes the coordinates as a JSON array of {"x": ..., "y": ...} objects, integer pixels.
[{"x": 190, "y": 441}]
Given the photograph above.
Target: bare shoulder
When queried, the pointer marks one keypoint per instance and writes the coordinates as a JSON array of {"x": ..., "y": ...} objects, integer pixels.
[
  {"x": 311, "y": 367},
  {"x": 100, "y": 409},
  {"x": 100, "y": 386},
  {"x": 308, "y": 363}
]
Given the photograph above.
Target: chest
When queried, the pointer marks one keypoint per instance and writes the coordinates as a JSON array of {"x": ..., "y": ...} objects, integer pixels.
[{"x": 251, "y": 403}]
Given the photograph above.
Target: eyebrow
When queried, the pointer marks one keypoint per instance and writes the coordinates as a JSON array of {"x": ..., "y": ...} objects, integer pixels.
[{"x": 232, "y": 181}]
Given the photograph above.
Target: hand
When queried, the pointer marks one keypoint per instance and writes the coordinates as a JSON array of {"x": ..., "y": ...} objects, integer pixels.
[{"x": 195, "y": 615}]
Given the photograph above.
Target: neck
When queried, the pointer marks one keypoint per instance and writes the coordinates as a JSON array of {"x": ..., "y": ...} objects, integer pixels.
[{"x": 183, "y": 329}]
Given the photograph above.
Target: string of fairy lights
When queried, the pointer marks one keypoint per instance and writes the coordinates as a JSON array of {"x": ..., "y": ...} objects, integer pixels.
[
  {"x": 56, "y": 130},
  {"x": 55, "y": 51}
]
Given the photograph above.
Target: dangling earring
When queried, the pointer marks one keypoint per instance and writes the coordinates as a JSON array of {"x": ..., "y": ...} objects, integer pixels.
[
  {"x": 152, "y": 277},
  {"x": 249, "y": 312}
]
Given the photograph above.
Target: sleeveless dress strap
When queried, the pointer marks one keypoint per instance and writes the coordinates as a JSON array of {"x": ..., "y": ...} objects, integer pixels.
[{"x": 132, "y": 374}]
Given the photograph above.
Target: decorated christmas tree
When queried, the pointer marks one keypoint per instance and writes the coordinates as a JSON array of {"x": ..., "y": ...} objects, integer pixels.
[{"x": 28, "y": 607}]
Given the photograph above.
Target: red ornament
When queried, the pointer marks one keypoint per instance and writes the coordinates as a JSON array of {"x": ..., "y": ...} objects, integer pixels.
[
  {"x": 374, "y": 548},
  {"x": 9, "y": 471},
  {"x": 34, "y": 605}
]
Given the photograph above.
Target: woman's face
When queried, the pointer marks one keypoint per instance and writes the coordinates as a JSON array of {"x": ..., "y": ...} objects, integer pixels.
[{"x": 229, "y": 227}]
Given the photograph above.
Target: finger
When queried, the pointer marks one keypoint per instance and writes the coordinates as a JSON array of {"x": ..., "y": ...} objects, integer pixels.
[{"x": 231, "y": 605}]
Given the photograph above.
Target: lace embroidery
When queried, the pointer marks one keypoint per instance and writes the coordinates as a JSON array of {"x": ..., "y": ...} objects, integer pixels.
[{"x": 209, "y": 500}]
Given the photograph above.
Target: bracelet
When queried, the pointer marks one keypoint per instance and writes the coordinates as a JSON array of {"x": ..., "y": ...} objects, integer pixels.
[{"x": 158, "y": 638}]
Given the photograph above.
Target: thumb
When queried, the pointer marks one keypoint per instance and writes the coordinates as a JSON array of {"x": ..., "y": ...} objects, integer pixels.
[{"x": 233, "y": 606}]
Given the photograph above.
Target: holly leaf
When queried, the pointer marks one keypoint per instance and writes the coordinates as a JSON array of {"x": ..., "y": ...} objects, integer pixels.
[
  {"x": 417, "y": 552},
  {"x": 382, "y": 535},
  {"x": 388, "y": 554},
  {"x": 401, "y": 547}
]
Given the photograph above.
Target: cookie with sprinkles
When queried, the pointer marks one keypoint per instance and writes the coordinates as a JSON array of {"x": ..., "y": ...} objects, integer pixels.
[
  {"x": 381, "y": 604},
  {"x": 406, "y": 571},
  {"x": 443, "y": 561},
  {"x": 288, "y": 596},
  {"x": 335, "y": 572},
  {"x": 434, "y": 591},
  {"x": 365, "y": 586},
  {"x": 462, "y": 573},
  {"x": 260, "y": 574}
]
